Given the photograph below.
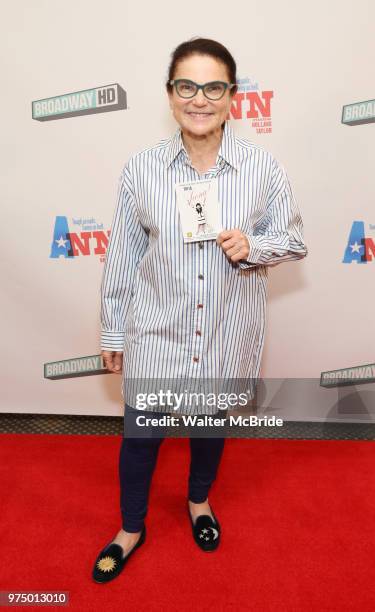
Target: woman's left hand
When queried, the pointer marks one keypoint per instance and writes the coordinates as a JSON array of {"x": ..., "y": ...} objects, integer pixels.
[{"x": 234, "y": 244}]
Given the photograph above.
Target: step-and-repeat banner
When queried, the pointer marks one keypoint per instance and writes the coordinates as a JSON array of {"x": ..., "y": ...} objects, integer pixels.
[{"x": 84, "y": 88}]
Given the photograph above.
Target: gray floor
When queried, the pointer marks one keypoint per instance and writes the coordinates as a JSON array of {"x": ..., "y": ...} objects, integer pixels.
[{"x": 109, "y": 426}]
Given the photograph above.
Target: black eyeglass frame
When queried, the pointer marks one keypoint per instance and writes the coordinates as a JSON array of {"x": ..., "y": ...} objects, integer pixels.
[{"x": 198, "y": 87}]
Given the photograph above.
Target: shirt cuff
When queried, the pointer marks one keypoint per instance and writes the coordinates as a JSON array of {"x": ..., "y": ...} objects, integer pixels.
[
  {"x": 254, "y": 254},
  {"x": 112, "y": 341}
]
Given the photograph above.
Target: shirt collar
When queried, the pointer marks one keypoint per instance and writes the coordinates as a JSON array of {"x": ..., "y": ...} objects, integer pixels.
[{"x": 228, "y": 149}]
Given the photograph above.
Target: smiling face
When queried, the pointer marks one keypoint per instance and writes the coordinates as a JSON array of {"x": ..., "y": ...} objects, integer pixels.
[{"x": 199, "y": 116}]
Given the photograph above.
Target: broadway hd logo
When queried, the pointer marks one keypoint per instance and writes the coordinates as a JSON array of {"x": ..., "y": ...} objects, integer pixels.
[
  {"x": 102, "y": 99},
  {"x": 358, "y": 113}
]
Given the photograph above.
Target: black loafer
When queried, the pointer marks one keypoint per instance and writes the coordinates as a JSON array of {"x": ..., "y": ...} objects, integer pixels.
[
  {"x": 111, "y": 561},
  {"x": 206, "y": 532}
]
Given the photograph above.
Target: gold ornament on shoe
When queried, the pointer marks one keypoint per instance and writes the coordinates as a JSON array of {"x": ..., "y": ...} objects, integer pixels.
[
  {"x": 205, "y": 531},
  {"x": 107, "y": 564},
  {"x": 215, "y": 532}
]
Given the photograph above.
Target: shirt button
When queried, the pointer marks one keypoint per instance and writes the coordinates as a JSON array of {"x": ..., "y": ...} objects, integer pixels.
[
  {"x": 201, "y": 244},
  {"x": 195, "y": 359},
  {"x": 201, "y": 276},
  {"x": 198, "y": 332},
  {"x": 199, "y": 305}
]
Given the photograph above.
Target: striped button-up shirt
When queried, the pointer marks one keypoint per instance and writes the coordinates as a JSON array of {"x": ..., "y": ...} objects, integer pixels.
[{"x": 183, "y": 311}]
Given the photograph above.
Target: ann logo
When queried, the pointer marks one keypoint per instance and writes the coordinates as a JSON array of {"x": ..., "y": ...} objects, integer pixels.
[
  {"x": 72, "y": 244},
  {"x": 251, "y": 105},
  {"x": 359, "y": 249}
]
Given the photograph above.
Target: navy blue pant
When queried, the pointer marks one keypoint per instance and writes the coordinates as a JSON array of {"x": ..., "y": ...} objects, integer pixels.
[{"x": 137, "y": 462}]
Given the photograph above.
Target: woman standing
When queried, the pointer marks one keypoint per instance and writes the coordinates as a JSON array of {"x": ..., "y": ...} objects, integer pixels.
[{"x": 178, "y": 311}]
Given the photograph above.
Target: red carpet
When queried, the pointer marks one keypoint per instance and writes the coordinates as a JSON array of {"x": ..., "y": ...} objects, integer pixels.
[{"x": 297, "y": 519}]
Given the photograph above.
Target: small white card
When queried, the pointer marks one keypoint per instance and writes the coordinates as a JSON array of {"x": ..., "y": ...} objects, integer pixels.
[{"x": 199, "y": 208}]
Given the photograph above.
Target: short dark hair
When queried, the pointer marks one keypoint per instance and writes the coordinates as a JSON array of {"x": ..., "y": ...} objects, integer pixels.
[{"x": 203, "y": 46}]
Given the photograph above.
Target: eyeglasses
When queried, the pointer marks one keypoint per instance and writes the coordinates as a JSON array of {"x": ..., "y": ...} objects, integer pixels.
[{"x": 213, "y": 90}]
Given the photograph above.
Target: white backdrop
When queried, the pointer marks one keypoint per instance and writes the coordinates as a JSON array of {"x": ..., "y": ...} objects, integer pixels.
[{"x": 314, "y": 57}]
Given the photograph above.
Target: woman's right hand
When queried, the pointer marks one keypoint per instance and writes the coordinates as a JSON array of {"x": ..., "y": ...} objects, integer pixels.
[{"x": 113, "y": 361}]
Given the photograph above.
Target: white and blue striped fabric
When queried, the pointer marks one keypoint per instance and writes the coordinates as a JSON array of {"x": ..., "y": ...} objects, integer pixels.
[{"x": 183, "y": 311}]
